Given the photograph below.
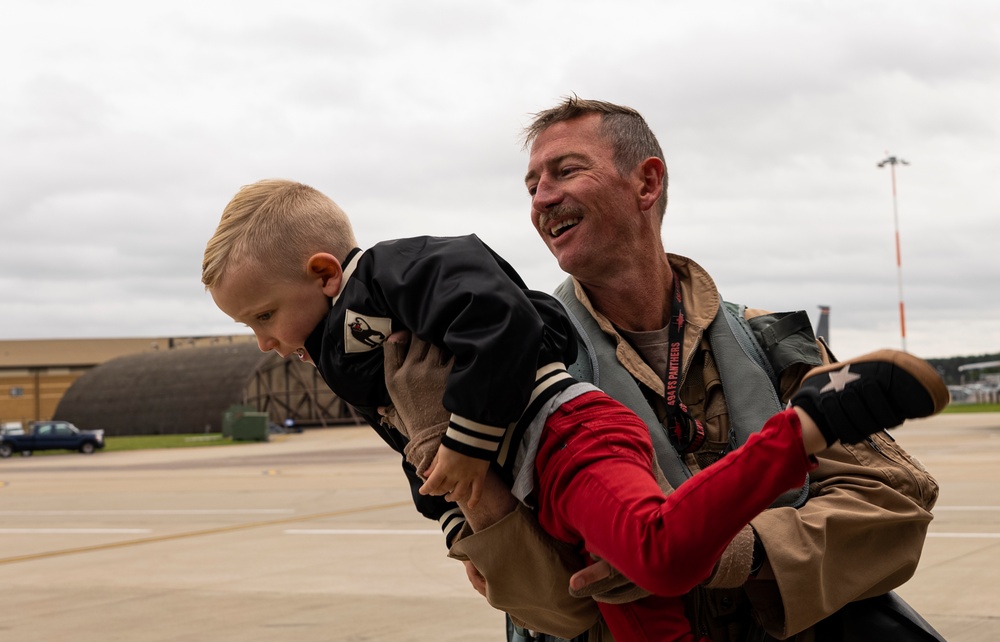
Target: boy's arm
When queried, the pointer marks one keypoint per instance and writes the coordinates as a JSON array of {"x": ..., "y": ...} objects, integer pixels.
[
  {"x": 416, "y": 389},
  {"x": 446, "y": 513},
  {"x": 456, "y": 293},
  {"x": 458, "y": 477},
  {"x": 532, "y": 587}
]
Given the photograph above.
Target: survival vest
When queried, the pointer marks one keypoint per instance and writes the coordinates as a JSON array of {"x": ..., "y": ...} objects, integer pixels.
[{"x": 747, "y": 354}]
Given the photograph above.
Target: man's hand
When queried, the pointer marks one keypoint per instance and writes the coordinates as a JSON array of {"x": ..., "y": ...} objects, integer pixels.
[
  {"x": 416, "y": 373},
  {"x": 475, "y": 577},
  {"x": 458, "y": 477},
  {"x": 604, "y": 583},
  {"x": 597, "y": 571},
  {"x": 415, "y": 376}
]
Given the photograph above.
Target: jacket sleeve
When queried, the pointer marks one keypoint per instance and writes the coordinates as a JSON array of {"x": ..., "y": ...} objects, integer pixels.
[
  {"x": 447, "y": 514},
  {"x": 456, "y": 293},
  {"x": 860, "y": 534}
]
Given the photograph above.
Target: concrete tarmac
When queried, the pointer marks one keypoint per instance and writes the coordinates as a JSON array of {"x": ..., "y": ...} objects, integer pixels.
[{"x": 312, "y": 537}]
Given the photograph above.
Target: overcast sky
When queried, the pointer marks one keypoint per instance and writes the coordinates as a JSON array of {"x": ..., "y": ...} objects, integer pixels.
[{"x": 125, "y": 128}]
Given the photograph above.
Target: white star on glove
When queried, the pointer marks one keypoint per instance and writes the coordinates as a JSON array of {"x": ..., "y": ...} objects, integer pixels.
[{"x": 839, "y": 379}]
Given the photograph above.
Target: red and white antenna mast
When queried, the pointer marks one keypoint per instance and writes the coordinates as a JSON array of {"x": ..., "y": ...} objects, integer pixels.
[{"x": 892, "y": 161}]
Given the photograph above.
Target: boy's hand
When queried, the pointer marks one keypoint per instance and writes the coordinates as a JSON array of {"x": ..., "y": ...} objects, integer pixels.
[{"x": 456, "y": 476}]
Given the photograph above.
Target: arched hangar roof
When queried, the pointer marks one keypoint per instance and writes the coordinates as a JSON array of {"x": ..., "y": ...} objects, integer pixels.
[{"x": 174, "y": 391}]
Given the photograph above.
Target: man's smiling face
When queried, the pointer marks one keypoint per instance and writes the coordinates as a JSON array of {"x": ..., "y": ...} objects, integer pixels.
[{"x": 584, "y": 210}]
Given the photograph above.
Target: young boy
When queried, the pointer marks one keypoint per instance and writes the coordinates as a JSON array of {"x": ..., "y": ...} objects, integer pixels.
[{"x": 283, "y": 261}]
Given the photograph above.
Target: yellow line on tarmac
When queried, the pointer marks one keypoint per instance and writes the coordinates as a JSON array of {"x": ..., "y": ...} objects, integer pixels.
[{"x": 210, "y": 531}]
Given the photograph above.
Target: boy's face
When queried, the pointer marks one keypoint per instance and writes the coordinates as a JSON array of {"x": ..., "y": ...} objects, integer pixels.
[{"x": 281, "y": 312}]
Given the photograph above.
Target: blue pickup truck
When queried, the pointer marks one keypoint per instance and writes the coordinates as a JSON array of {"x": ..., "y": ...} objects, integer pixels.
[{"x": 51, "y": 435}]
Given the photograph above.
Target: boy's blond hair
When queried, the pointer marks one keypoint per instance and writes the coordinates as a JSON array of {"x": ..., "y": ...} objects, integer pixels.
[{"x": 276, "y": 225}]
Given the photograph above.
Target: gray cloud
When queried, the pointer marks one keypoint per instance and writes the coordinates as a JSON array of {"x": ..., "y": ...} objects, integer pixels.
[{"x": 127, "y": 127}]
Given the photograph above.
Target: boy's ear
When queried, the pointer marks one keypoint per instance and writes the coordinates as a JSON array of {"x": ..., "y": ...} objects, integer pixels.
[{"x": 327, "y": 268}]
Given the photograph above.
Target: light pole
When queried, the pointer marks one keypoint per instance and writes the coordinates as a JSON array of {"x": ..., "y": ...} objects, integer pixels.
[{"x": 892, "y": 161}]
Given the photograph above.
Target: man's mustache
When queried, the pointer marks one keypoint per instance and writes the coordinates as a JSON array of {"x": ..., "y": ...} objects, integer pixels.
[{"x": 558, "y": 213}]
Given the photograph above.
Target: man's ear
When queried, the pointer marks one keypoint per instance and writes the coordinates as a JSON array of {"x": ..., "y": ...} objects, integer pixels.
[
  {"x": 328, "y": 270},
  {"x": 651, "y": 182}
]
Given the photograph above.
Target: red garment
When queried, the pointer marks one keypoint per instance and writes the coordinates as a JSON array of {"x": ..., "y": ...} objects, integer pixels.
[{"x": 596, "y": 488}]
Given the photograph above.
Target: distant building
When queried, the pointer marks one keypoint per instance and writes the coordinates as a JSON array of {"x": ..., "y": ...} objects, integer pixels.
[
  {"x": 158, "y": 385},
  {"x": 980, "y": 383},
  {"x": 823, "y": 326}
]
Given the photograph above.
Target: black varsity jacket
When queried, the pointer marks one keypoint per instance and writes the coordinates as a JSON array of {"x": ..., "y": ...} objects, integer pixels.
[{"x": 455, "y": 293}]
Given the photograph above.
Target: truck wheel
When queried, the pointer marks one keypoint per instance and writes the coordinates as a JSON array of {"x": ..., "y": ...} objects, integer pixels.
[
  {"x": 87, "y": 448},
  {"x": 26, "y": 453},
  {"x": 6, "y": 450}
]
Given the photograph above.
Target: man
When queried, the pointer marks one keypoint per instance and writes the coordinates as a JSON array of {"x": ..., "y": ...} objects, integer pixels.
[
  {"x": 598, "y": 184},
  {"x": 597, "y": 180}
]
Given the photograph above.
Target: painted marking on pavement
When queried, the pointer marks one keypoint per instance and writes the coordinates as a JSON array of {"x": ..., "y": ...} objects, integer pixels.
[
  {"x": 209, "y": 531},
  {"x": 182, "y": 511},
  {"x": 358, "y": 531},
  {"x": 966, "y": 508},
  {"x": 75, "y": 531}
]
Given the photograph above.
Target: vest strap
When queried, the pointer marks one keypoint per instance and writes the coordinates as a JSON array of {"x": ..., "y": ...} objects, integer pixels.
[
  {"x": 745, "y": 372},
  {"x": 596, "y": 362}
]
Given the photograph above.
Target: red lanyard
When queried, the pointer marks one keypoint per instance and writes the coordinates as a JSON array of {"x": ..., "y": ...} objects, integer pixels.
[{"x": 686, "y": 433}]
